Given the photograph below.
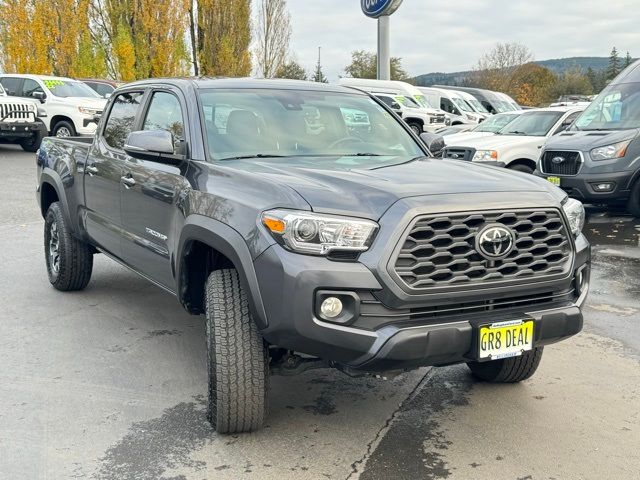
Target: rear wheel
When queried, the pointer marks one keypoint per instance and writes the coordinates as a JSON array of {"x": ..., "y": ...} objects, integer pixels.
[
  {"x": 633, "y": 206},
  {"x": 64, "y": 129},
  {"x": 508, "y": 370},
  {"x": 69, "y": 260},
  {"x": 237, "y": 357}
]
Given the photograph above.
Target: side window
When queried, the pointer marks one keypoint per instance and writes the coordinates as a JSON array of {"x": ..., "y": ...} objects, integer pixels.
[
  {"x": 447, "y": 106},
  {"x": 566, "y": 123},
  {"x": 10, "y": 85},
  {"x": 103, "y": 89},
  {"x": 165, "y": 113},
  {"x": 29, "y": 87},
  {"x": 121, "y": 118}
]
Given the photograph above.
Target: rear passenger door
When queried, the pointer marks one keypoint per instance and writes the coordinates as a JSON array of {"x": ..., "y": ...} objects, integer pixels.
[
  {"x": 150, "y": 199},
  {"x": 104, "y": 172}
]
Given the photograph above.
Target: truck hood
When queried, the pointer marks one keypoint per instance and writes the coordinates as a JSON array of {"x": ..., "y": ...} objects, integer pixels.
[
  {"x": 368, "y": 192},
  {"x": 499, "y": 142},
  {"x": 464, "y": 137},
  {"x": 585, "y": 141},
  {"x": 87, "y": 102}
]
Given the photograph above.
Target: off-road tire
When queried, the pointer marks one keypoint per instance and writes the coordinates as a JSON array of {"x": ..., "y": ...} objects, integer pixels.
[
  {"x": 72, "y": 270},
  {"x": 416, "y": 127},
  {"x": 237, "y": 357},
  {"x": 519, "y": 167},
  {"x": 64, "y": 124},
  {"x": 633, "y": 205},
  {"x": 508, "y": 370},
  {"x": 32, "y": 144}
]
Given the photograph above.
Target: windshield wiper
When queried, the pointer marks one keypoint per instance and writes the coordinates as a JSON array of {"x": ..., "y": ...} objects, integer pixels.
[
  {"x": 257, "y": 155},
  {"x": 359, "y": 154},
  {"x": 517, "y": 132}
]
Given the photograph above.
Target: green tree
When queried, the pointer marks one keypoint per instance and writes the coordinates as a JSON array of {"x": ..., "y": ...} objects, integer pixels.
[
  {"x": 292, "y": 70},
  {"x": 365, "y": 65},
  {"x": 531, "y": 84},
  {"x": 572, "y": 82},
  {"x": 613, "y": 69},
  {"x": 627, "y": 60}
]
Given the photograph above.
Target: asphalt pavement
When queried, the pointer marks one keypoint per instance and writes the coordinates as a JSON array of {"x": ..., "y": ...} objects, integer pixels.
[{"x": 109, "y": 383}]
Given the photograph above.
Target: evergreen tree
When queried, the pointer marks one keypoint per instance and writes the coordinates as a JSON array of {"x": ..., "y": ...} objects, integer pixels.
[
  {"x": 614, "y": 64},
  {"x": 628, "y": 60},
  {"x": 318, "y": 76}
]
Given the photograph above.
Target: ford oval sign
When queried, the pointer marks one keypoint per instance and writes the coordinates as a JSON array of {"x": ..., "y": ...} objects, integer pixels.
[{"x": 379, "y": 8}]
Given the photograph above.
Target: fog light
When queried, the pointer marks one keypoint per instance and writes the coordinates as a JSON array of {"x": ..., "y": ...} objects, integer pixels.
[
  {"x": 603, "y": 187},
  {"x": 331, "y": 307}
]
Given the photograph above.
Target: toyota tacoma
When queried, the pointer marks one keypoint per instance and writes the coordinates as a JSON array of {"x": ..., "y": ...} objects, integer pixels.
[{"x": 306, "y": 240}]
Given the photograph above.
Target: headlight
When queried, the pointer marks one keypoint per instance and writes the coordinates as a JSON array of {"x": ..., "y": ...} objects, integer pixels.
[
  {"x": 485, "y": 156},
  {"x": 88, "y": 111},
  {"x": 574, "y": 211},
  {"x": 617, "y": 150},
  {"x": 316, "y": 234}
]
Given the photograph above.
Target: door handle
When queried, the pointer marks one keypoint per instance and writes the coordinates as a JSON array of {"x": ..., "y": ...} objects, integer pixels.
[
  {"x": 128, "y": 182},
  {"x": 91, "y": 170}
]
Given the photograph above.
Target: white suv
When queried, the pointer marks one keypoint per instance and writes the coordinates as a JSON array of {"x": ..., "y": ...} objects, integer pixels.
[{"x": 71, "y": 106}]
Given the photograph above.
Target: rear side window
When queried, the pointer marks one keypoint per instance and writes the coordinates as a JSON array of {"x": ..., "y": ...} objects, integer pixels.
[
  {"x": 10, "y": 85},
  {"x": 103, "y": 89},
  {"x": 165, "y": 113},
  {"x": 121, "y": 118}
]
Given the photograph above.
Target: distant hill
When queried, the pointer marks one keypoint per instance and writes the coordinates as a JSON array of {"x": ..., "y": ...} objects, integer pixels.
[{"x": 557, "y": 65}]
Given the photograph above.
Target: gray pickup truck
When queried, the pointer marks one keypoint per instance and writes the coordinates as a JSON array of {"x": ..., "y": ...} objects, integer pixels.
[{"x": 308, "y": 240}]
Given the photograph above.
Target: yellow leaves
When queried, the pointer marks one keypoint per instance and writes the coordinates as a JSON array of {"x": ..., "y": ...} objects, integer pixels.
[{"x": 124, "y": 53}]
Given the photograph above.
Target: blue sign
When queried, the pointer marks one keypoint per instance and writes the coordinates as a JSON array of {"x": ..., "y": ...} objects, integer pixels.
[{"x": 379, "y": 8}]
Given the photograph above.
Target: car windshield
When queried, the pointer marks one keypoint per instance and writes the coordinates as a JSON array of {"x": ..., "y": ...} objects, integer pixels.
[
  {"x": 407, "y": 101},
  {"x": 423, "y": 101},
  {"x": 534, "y": 124},
  {"x": 69, "y": 88},
  {"x": 495, "y": 123},
  {"x": 501, "y": 106},
  {"x": 616, "y": 108},
  {"x": 265, "y": 123},
  {"x": 477, "y": 105},
  {"x": 462, "y": 105}
]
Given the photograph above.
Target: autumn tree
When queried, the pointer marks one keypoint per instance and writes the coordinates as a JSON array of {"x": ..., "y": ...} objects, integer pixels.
[
  {"x": 365, "y": 65},
  {"x": 495, "y": 70},
  {"x": 531, "y": 84},
  {"x": 273, "y": 32},
  {"x": 223, "y": 35},
  {"x": 292, "y": 70},
  {"x": 571, "y": 82}
]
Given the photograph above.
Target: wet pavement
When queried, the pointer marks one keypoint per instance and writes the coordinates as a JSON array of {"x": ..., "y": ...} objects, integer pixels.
[{"x": 109, "y": 383}]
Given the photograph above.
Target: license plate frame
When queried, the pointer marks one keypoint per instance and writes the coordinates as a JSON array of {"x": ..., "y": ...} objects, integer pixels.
[
  {"x": 515, "y": 337},
  {"x": 557, "y": 181}
]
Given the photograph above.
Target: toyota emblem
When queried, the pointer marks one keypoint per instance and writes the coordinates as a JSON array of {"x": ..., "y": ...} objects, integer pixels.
[{"x": 495, "y": 241}]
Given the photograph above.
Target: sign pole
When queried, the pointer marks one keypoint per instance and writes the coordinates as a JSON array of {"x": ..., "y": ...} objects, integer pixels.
[{"x": 384, "y": 49}]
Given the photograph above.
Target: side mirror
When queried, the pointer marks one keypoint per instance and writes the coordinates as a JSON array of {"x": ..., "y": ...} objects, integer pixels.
[
  {"x": 435, "y": 143},
  {"x": 155, "y": 145},
  {"x": 107, "y": 95},
  {"x": 396, "y": 106},
  {"x": 39, "y": 96}
]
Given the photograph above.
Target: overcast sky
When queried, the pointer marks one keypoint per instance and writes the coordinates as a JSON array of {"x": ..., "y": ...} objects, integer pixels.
[{"x": 450, "y": 35}]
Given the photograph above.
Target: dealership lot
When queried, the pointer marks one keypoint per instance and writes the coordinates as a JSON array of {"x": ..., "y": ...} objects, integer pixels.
[{"x": 110, "y": 383}]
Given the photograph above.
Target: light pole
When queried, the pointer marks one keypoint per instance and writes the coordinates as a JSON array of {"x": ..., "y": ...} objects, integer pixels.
[{"x": 382, "y": 10}]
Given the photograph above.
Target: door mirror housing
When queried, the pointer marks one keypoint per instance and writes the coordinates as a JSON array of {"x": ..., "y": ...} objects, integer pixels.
[
  {"x": 435, "y": 143},
  {"x": 155, "y": 145},
  {"x": 39, "y": 96}
]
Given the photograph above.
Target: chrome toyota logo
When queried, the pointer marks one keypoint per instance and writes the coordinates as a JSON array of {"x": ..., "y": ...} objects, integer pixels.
[
  {"x": 557, "y": 160},
  {"x": 495, "y": 241}
]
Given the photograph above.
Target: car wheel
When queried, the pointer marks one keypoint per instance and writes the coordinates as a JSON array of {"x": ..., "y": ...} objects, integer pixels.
[
  {"x": 633, "y": 205},
  {"x": 416, "y": 127},
  {"x": 237, "y": 357},
  {"x": 508, "y": 370},
  {"x": 520, "y": 168},
  {"x": 69, "y": 260},
  {"x": 64, "y": 129},
  {"x": 32, "y": 144}
]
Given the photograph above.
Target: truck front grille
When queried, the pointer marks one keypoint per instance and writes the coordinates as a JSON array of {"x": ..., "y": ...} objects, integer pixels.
[
  {"x": 12, "y": 112},
  {"x": 440, "y": 251},
  {"x": 561, "y": 163},
  {"x": 439, "y": 118},
  {"x": 459, "y": 153}
]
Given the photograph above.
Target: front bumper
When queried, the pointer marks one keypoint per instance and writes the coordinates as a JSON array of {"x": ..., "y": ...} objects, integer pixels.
[
  {"x": 290, "y": 284},
  {"x": 581, "y": 186},
  {"x": 13, "y": 130}
]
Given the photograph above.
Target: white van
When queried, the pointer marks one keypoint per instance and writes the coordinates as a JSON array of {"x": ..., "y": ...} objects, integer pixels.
[
  {"x": 457, "y": 108},
  {"x": 406, "y": 100},
  {"x": 473, "y": 102}
]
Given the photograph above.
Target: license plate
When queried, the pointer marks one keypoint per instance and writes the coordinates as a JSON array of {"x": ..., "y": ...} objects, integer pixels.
[
  {"x": 554, "y": 180},
  {"x": 505, "y": 339}
]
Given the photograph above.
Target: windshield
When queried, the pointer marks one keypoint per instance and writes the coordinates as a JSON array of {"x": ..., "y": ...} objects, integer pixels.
[
  {"x": 423, "y": 101},
  {"x": 462, "y": 105},
  {"x": 477, "y": 105},
  {"x": 495, "y": 123},
  {"x": 534, "y": 124},
  {"x": 616, "y": 108},
  {"x": 407, "y": 101},
  {"x": 69, "y": 88},
  {"x": 501, "y": 106},
  {"x": 301, "y": 123}
]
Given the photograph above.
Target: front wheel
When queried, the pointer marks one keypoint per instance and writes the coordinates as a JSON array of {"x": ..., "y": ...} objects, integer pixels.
[
  {"x": 237, "y": 357},
  {"x": 69, "y": 260},
  {"x": 508, "y": 370},
  {"x": 32, "y": 144},
  {"x": 64, "y": 129},
  {"x": 633, "y": 206},
  {"x": 521, "y": 168},
  {"x": 416, "y": 127}
]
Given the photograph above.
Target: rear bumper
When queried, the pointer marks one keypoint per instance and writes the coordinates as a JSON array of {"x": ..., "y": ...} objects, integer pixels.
[{"x": 581, "y": 186}]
